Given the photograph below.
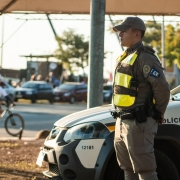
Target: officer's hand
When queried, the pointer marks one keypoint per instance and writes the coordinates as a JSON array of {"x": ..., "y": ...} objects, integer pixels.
[{"x": 160, "y": 122}]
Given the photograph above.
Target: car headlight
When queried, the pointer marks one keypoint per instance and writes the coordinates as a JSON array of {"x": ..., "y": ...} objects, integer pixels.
[
  {"x": 67, "y": 94},
  {"x": 29, "y": 92},
  {"x": 86, "y": 131},
  {"x": 54, "y": 132}
]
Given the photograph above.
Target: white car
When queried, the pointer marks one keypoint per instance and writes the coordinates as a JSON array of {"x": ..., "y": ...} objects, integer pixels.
[{"x": 80, "y": 146}]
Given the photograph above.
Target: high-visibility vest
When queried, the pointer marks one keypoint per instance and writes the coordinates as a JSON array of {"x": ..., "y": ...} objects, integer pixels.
[{"x": 122, "y": 79}]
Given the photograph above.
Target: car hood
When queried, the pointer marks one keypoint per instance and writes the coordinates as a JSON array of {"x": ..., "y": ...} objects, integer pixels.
[
  {"x": 61, "y": 90},
  {"x": 24, "y": 89},
  {"x": 101, "y": 113}
]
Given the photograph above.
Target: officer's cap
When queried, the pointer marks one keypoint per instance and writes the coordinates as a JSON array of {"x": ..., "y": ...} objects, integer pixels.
[{"x": 130, "y": 22}]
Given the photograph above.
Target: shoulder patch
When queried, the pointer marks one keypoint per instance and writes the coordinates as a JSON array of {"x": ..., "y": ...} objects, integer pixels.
[
  {"x": 154, "y": 73},
  {"x": 146, "y": 69}
]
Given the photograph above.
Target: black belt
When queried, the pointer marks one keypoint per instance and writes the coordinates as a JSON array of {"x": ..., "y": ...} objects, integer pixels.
[
  {"x": 131, "y": 113},
  {"x": 128, "y": 116}
]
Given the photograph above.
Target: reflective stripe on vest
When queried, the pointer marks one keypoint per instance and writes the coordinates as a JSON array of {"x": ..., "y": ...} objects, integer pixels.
[
  {"x": 123, "y": 100},
  {"x": 124, "y": 54},
  {"x": 122, "y": 79},
  {"x": 130, "y": 59}
]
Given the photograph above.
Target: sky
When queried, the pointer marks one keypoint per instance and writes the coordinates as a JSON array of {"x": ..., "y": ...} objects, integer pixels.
[{"x": 23, "y": 34}]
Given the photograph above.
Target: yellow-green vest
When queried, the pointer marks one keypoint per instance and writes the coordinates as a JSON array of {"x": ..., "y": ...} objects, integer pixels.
[
  {"x": 122, "y": 80},
  {"x": 123, "y": 76}
]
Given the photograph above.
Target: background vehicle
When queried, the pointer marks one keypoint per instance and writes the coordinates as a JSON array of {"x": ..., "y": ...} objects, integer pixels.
[
  {"x": 35, "y": 90},
  {"x": 14, "y": 122},
  {"x": 71, "y": 92},
  {"x": 176, "y": 97},
  {"x": 107, "y": 93},
  {"x": 81, "y": 145}
]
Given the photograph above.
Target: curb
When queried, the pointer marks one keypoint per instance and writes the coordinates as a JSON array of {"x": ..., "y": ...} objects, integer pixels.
[{"x": 39, "y": 135}]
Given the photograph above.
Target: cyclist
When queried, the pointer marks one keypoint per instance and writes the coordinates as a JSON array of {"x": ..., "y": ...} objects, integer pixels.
[{"x": 4, "y": 94}]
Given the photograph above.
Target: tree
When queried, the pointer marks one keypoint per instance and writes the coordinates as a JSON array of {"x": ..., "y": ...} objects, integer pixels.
[
  {"x": 73, "y": 50},
  {"x": 172, "y": 41},
  {"x": 173, "y": 45},
  {"x": 153, "y": 39},
  {"x": 152, "y": 36}
]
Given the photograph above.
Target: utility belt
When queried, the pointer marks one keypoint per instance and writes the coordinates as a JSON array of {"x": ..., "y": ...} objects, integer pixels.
[{"x": 139, "y": 113}]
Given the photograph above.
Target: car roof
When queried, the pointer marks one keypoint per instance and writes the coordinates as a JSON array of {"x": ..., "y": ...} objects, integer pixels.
[
  {"x": 37, "y": 82},
  {"x": 74, "y": 83}
]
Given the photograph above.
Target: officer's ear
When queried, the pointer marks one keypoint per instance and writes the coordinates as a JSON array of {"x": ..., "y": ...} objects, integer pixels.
[{"x": 138, "y": 33}]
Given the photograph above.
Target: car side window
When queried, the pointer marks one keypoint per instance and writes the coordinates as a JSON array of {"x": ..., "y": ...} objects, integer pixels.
[
  {"x": 42, "y": 86},
  {"x": 84, "y": 86},
  {"x": 81, "y": 87},
  {"x": 48, "y": 86}
]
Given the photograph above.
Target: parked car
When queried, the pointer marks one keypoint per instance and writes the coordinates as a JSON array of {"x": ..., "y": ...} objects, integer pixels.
[
  {"x": 35, "y": 90},
  {"x": 107, "y": 93},
  {"x": 10, "y": 91},
  {"x": 176, "y": 97},
  {"x": 80, "y": 146},
  {"x": 71, "y": 92}
]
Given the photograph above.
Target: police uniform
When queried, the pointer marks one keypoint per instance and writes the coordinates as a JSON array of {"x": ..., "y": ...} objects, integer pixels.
[{"x": 139, "y": 82}]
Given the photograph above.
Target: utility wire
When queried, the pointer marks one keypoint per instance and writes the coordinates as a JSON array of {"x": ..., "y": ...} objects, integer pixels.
[{"x": 13, "y": 34}]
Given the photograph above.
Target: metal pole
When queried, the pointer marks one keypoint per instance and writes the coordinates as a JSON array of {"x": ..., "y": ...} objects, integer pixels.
[
  {"x": 163, "y": 44},
  {"x": 96, "y": 54}
]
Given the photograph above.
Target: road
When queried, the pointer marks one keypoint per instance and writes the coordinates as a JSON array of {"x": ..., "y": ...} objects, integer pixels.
[{"x": 41, "y": 116}]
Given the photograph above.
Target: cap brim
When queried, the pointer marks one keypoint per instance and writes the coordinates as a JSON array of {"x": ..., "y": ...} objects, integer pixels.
[{"x": 121, "y": 28}]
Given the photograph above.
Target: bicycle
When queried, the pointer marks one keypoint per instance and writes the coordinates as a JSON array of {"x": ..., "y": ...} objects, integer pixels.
[{"x": 14, "y": 122}]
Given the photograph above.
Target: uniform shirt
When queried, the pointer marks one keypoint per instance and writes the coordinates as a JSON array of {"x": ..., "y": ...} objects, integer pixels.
[
  {"x": 148, "y": 71},
  {"x": 3, "y": 92}
]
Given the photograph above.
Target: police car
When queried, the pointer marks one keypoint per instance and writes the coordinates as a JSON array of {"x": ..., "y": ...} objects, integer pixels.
[{"x": 80, "y": 146}]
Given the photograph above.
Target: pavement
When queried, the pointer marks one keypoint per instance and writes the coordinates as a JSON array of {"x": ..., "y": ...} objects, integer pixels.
[{"x": 26, "y": 135}]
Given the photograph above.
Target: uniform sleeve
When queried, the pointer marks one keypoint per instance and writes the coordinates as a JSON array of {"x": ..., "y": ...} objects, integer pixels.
[{"x": 153, "y": 72}]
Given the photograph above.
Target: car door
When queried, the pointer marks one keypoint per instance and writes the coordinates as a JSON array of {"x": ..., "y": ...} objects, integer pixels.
[
  {"x": 84, "y": 92},
  {"x": 42, "y": 91},
  {"x": 81, "y": 92},
  {"x": 48, "y": 91}
]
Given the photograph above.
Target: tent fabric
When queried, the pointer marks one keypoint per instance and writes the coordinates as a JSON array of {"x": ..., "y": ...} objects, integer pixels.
[{"x": 138, "y": 7}]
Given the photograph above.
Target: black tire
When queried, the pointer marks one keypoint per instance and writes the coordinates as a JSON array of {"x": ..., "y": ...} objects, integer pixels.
[
  {"x": 33, "y": 99},
  {"x": 166, "y": 169},
  {"x": 113, "y": 171},
  {"x": 72, "y": 100},
  {"x": 16, "y": 100},
  {"x": 51, "y": 100},
  {"x": 17, "y": 128}
]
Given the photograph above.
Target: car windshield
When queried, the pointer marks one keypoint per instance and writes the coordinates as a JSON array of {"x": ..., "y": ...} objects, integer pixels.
[
  {"x": 29, "y": 85},
  {"x": 107, "y": 87},
  {"x": 67, "y": 86}
]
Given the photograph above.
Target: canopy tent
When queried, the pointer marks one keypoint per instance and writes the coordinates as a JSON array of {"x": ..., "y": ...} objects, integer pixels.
[{"x": 138, "y": 7}]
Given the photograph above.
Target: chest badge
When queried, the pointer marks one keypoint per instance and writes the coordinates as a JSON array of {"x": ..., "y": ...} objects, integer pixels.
[{"x": 146, "y": 69}]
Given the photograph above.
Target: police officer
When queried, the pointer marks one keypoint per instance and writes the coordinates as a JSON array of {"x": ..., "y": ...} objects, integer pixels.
[{"x": 141, "y": 95}]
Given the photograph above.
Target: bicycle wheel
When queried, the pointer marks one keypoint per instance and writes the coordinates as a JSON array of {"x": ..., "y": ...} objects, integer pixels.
[{"x": 14, "y": 124}]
